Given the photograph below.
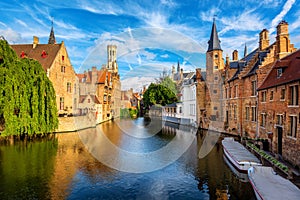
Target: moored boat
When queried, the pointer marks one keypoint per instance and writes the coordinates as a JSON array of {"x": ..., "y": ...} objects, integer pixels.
[
  {"x": 238, "y": 155},
  {"x": 240, "y": 175},
  {"x": 268, "y": 185}
]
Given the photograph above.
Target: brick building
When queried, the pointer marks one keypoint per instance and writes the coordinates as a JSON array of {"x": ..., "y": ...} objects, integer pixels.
[
  {"x": 105, "y": 85},
  {"x": 56, "y": 63},
  {"x": 256, "y": 96},
  {"x": 279, "y": 111}
]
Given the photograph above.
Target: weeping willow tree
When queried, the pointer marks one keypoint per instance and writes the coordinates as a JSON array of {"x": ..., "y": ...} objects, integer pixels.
[{"x": 27, "y": 97}]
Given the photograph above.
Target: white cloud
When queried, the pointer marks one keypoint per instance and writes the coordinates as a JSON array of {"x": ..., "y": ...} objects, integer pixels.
[
  {"x": 247, "y": 21},
  {"x": 3, "y": 24},
  {"x": 22, "y": 23},
  {"x": 208, "y": 15},
  {"x": 11, "y": 36},
  {"x": 136, "y": 82},
  {"x": 287, "y": 6},
  {"x": 164, "y": 56}
]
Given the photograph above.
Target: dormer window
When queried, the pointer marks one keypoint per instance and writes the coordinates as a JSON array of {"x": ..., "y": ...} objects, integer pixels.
[
  {"x": 23, "y": 54},
  {"x": 44, "y": 54},
  {"x": 279, "y": 72}
]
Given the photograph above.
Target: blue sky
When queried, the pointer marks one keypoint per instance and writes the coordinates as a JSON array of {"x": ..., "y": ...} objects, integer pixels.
[{"x": 150, "y": 35}]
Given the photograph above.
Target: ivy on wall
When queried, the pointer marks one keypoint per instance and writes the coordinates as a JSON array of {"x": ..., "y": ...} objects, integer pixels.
[{"x": 27, "y": 97}]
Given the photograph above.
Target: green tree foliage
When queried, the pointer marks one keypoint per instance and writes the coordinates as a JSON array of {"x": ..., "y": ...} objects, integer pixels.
[
  {"x": 27, "y": 97},
  {"x": 167, "y": 82},
  {"x": 158, "y": 94}
]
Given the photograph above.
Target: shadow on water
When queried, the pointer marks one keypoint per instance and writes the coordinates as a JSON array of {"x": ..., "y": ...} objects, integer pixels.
[{"x": 63, "y": 168}]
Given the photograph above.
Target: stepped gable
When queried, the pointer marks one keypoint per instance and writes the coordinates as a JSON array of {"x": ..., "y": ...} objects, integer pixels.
[
  {"x": 257, "y": 60},
  {"x": 290, "y": 71},
  {"x": 45, "y": 54}
]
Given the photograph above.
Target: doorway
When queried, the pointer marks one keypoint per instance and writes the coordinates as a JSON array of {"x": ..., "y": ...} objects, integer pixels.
[{"x": 279, "y": 140}]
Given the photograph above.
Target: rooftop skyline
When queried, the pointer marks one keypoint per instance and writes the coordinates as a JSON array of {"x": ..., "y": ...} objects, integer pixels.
[{"x": 151, "y": 36}]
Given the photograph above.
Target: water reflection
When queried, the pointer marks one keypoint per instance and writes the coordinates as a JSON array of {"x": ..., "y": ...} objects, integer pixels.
[{"x": 63, "y": 168}]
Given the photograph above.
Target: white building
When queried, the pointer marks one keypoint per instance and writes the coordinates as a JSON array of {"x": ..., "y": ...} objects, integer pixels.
[{"x": 188, "y": 98}]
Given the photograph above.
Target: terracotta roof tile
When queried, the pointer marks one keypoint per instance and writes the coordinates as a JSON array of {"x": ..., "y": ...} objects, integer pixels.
[
  {"x": 101, "y": 77},
  {"x": 80, "y": 77},
  {"x": 36, "y": 53},
  {"x": 291, "y": 71}
]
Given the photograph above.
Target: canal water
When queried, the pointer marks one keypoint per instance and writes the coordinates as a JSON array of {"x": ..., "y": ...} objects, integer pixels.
[{"x": 119, "y": 160}]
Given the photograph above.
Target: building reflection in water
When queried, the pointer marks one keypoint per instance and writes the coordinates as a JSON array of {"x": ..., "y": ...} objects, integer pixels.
[{"x": 71, "y": 170}]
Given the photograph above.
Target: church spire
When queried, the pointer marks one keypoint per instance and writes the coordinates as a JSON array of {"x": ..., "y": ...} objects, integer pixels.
[
  {"x": 178, "y": 66},
  {"x": 214, "y": 42},
  {"x": 245, "y": 50},
  {"x": 51, "y": 36}
]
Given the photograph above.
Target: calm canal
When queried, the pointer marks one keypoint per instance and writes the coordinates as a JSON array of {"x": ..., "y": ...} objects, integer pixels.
[{"x": 67, "y": 166}]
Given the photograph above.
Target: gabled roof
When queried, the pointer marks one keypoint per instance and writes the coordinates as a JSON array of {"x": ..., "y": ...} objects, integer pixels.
[
  {"x": 36, "y": 53},
  {"x": 291, "y": 71},
  {"x": 94, "y": 98},
  {"x": 80, "y": 77},
  {"x": 214, "y": 42}
]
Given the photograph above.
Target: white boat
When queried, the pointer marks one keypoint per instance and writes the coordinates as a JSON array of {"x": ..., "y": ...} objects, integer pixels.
[
  {"x": 238, "y": 155},
  {"x": 267, "y": 185}
]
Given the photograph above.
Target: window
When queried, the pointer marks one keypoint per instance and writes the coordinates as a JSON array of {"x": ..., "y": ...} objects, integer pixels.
[
  {"x": 192, "y": 109},
  {"x": 180, "y": 109},
  {"x": 247, "y": 113},
  {"x": 69, "y": 87},
  {"x": 44, "y": 54},
  {"x": 215, "y": 108},
  {"x": 293, "y": 126},
  {"x": 282, "y": 94},
  {"x": 293, "y": 95},
  {"x": 279, "y": 72},
  {"x": 236, "y": 91},
  {"x": 253, "y": 88},
  {"x": 61, "y": 103},
  {"x": 216, "y": 56},
  {"x": 63, "y": 69},
  {"x": 75, "y": 88},
  {"x": 215, "y": 67},
  {"x": 272, "y": 95},
  {"x": 226, "y": 93},
  {"x": 215, "y": 91},
  {"x": 234, "y": 111},
  {"x": 216, "y": 78},
  {"x": 89, "y": 100},
  {"x": 279, "y": 120},
  {"x": 229, "y": 92},
  {"x": 105, "y": 98},
  {"x": 263, "y": 119},
  {"x": 62, "y": 58},
  {"x": 253, "y": 113},
  {"x": 263, "y": 96}
]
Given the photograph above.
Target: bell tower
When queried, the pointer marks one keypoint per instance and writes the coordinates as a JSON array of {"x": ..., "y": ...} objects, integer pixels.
[
  {"x": 214, "y": 80},
  {"x": 112, "y": 65}
]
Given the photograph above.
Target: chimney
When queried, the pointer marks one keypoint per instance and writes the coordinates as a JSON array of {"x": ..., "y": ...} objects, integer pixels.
[
  {"x": 227, "y": 60},
  {"x": 283, "y": 45},
  {"x": 235, "y": 55},
  {"x": 198, "y": 74},
  {"x": 264, "y": 39},
  {"x": 35, "y": 41}
]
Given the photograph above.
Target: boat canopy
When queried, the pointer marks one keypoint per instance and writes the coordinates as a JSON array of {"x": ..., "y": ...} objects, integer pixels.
[{"x": 238, "y": 152}]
